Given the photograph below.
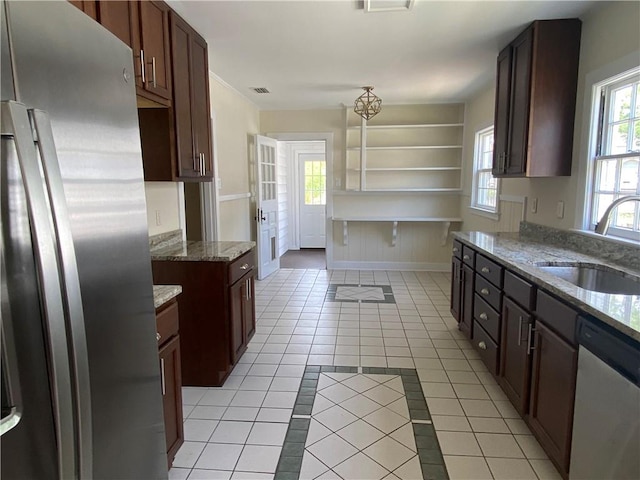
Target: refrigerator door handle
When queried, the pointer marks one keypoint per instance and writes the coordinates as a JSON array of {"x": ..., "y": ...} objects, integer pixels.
[
  {"x": 70, "y": 280},
  {"x": 11, "y": 380},
  {"x": 15, "y": 123}
]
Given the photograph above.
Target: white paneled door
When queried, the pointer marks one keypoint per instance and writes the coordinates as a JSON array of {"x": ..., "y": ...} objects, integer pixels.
[
  {"x": 267, "y": 206},
  {"x": 313, "y": 200}
]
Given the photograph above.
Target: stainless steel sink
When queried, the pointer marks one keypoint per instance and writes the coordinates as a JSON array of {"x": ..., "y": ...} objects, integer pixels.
[{"x": 597, "y": 278}]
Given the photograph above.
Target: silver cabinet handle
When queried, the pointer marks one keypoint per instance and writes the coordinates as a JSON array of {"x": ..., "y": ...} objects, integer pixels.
[
  {"x": 244, "y": 266},
  {"x": 153, "y": 71},
  {"x": 455, "y": 249},
  {"x": 520, "y": 330},
  {"x": 16, "y": 125},
  {"x": 485, "y": 270},
  {"x": 142, "y": 67},
  {"x": 530, "y": 347},
  {"x": 482, "y": 345},
  {"x": 248, "y": 281},
  {"x": 484, "y": 291},
  {"x": 483, "y": 316},
  {"x": 162, "y": 380},
  {"x": 196, "y": 164},
  {"x": 203, "y": 171},
  {"x": 466, "y": 257},
  {"x": 158, "y": 336}
]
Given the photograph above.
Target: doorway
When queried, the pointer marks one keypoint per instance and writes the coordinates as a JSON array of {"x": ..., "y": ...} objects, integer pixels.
[{"x": 304, "y": 184}]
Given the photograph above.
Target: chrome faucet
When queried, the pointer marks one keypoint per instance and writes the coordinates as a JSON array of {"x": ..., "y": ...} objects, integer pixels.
[{"x": 603, "y": 225}]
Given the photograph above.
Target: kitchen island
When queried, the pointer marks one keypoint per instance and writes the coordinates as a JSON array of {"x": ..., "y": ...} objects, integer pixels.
[{"x": 217, "y": 306}]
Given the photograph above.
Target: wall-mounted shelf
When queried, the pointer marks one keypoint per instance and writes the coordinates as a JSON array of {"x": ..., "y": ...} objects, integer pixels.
[
  {"x": 437, "y": 191},
  {"x": 409, "y": 125},
  {"x": 446, "y": 224},
  {"x": 409, "y": 147}
]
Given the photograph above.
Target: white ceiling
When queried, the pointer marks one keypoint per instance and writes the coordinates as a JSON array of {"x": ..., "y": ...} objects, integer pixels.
[{"x": 317, "y": 54}]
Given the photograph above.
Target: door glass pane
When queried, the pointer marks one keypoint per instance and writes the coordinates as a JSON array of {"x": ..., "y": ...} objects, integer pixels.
[{"x": 314, "y": 182}]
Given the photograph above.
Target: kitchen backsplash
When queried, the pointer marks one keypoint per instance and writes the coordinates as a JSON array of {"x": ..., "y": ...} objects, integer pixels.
[{"x": 627, "y": 255}]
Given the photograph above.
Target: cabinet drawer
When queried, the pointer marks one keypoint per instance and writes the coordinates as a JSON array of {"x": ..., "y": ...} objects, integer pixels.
[
  {"x": 486, "y": 316},
  {"x": 519, "y": 290},
  {"x": 487, "y": 348},
  {"x": 488, "y": 292},
  {"x": 241, "y": 266},
  {"x": 167, "y": 321},
  {"x": 558, "y": 316},
  {"x": 489, "y": 270},
  {"x": 456, "y": 250},
  {"x": 468, "y": 256}
]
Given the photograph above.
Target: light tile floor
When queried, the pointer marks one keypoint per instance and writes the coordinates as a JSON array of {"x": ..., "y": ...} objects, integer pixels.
[{"x": 237, "y": 431}]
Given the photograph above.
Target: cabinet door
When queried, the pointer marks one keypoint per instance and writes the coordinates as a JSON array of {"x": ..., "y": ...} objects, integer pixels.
[
  {"x": 516, "y": 161},
  {"x": 172, "y": 396},
  {"x": 154, "y": 33},
  {"x": 200, "y": 104},
  {"x": 515, "y": 357},
  {"x": 553, "y": 385},
  {"x": 456, "y": 287},
  {"x": 87, "y": 6},
  {"x": 236, "y": 304},
  {"x": 503, "y": 99},
  {"x": 249, "y": 308},
  {"x": 181, "y": 49},
  {"x": 466, "y": 314},
  {"x": 122, "y": 19}
]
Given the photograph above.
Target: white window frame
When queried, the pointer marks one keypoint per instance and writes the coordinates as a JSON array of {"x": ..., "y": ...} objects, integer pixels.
[
  {"x": 487, "y": 210},
  {"x": 600, "y": 120}
]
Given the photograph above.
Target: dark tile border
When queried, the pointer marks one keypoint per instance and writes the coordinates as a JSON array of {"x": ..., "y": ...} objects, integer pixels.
[
  {"x": 429, "y": 452},
  {"x": 333, "y": 289}
]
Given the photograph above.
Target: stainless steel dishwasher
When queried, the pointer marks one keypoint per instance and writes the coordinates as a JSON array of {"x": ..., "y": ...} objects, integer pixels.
[{"x": 606, "y": 423}]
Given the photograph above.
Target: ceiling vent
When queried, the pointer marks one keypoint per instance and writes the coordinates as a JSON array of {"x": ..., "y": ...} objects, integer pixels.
[
  {"x": 371, "y": 6},
  {"x": 260, "y": 90}
]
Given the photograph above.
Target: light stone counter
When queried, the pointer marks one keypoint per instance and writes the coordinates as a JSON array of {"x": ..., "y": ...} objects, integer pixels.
[
  {"x": 163, "y": 293},
  {"x": 521, "y": 253},
  {"x": 169, "y": 246}
]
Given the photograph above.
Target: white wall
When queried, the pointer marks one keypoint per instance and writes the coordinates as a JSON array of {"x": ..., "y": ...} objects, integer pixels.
[
  {"x": 163, "y": 197},
  {"x": 610, "y": 43},
  {"x": 236, "y": 120}
]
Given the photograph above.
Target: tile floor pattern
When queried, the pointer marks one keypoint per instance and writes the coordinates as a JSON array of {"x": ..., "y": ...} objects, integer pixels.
[
  {"x": 237, "y": 431},
  {"x": 362, "y": 423}
]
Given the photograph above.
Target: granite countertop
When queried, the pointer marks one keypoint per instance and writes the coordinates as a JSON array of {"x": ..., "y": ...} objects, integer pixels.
[
  {"x": 169, "y": 246},
  {"x": 163, "y": 293},
  {"x": 521, "y": 254}
]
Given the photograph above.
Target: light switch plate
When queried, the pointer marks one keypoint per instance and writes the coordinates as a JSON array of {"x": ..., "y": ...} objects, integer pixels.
[
  {"x": 560, "y": 209},
  {"x": 534, "y": 205}
]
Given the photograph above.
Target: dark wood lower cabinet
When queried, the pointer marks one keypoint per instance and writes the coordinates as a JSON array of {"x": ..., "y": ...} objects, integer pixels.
[
  {"x": 466, "y": 313},
  {"x": 515, "y": 356},
  {"x": 172, "y": 396},
  {"x": 167, "y": 325},
  {"x": 553, "y": 387},
  {"x": 217, "y": 314}
]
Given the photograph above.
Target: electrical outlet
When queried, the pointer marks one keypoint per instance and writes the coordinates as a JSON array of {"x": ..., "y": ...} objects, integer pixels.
[
  {"x": 560, "y": 209},
  {"x": 337, "y": 182},
  {"x": 534, "y": 205},
  {"x": 158, "y": 218},
  {"x": 219, "y": 183}
]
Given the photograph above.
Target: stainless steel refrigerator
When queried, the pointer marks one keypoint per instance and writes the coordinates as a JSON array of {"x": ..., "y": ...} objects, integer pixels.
[{"x": 81, "y": 394}]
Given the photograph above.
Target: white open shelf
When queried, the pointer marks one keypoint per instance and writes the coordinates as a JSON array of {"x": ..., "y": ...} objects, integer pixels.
[{"x": 411, "y": 125}]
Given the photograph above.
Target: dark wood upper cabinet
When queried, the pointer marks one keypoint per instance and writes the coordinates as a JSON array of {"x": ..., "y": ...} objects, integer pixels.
[
  {"x": 87, "y": 6},
  {"x": 154, "y": 35},
  {"x": 192, "y": 120},
  {"x": 536, "y": 85},
  {"x": 144, "y": 26}
]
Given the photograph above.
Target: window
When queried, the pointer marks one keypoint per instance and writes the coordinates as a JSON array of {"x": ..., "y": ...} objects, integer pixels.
[
  {"x": 315, "y": 174},
  {"x": 617, "y": 161},
  {"x": 485, "y": 186}
]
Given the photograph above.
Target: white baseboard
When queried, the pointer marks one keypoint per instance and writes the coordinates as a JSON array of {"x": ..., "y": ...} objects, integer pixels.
[{"x": 393, "y": 266}]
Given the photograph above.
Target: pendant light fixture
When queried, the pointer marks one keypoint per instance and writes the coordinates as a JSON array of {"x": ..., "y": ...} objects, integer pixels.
[{"x": 368, "y": 104}]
